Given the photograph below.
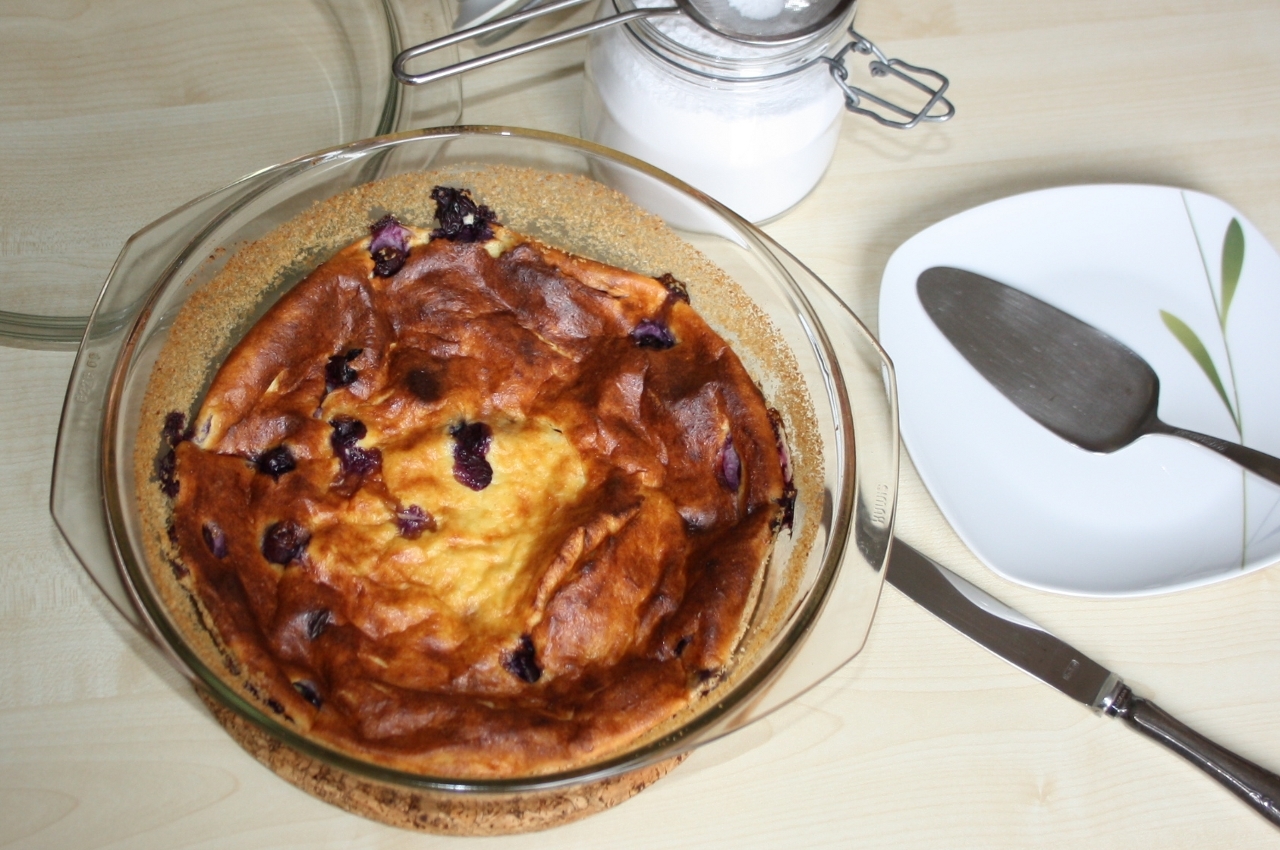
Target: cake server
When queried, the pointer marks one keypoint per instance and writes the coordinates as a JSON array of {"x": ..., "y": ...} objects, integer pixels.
[
  {"x": 1081, "y": 384},
  {"x": 1022, "y": 643}
]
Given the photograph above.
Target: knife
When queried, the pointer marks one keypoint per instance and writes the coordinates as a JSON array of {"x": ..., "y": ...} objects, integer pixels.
[{"x": 1022, "y": 643}]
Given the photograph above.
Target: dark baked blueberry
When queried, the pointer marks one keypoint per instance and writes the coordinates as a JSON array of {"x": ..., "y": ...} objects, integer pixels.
[
  {"x": 678, "y": 290},
  {"x": 522, "y": 662},
  {"x": 682, "y": 645},
  {"x": 175, "y": 428},
  {"x": 215, "y": 539},
  {"x": 167, "y": 472},
  {"x": 358, "y": 461},
  {"x": 284, "y": 542},
  {"x": 317, "y": 622},
  {"x": 728, "y": 466},
  {"x": 276, "y": 462},
  {"x": 471, "y": 444},
  {"x": 461, "y": 219},
  {"x": 338, "y": 371},
  {"x": 412, "y": 521},
  {"x": 651, "y": 333},
  {"x": 786, "y": 509},
  {"x": 275, "y": 706},
  {"x": 346, "y": 431},
  {"x": 389, "y": 245},
  {"x": 787, "y": 503},
  {"x": 423, "y": 384},
  {"x": 354, "y": 459},
  {"x": 308, "y": 691}
]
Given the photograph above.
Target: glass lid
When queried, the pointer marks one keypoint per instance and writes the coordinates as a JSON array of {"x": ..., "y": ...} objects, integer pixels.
[{"x": 115, "y": 112}]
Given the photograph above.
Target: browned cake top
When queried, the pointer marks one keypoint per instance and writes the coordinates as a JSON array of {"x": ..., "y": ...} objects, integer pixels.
[{"x": 472, "y": 506}]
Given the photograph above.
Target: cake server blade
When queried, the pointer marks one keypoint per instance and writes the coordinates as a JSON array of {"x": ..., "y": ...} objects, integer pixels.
[
  {"x": 1018, "y": 640},
  {"x": 1080, "y": 383}
]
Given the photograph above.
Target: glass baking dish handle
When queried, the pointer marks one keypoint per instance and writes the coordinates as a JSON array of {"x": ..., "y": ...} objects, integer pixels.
[{"x": 77, "y": 499}]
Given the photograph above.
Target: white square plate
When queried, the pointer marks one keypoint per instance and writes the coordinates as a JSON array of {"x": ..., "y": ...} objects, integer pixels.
[{"x": 1160, "y": 514}]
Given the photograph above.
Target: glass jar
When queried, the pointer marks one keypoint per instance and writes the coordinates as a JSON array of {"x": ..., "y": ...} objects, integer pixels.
[
  {"x": 739, "y": 98},
  {"x": 753, "y": 127}
]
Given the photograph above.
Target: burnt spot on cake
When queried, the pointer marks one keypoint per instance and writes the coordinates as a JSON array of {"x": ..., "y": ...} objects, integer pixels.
[
  {"x": 424, "y": 385},
  {"x": 317, "y": 621},
  {"x": 276, "y": 462},
  {"x": 180, "y": 570},
  {"x": 338, "y": 371},
  {"x": 274, "y": 705},
  {"x": 388, "y": 245},
  {"x": 412, "y": 521},
  {"x": 678, "y": 290},
  {"x": 284, "y": 542},
  {"x": 347, "y": 432},
  {"x": 653, "y": 333},
  {"x": 461, "y": 219},
  {"x": 728, "y": 465},
  {"x": 471, "y": 441},
  {"x": 682, "y": 645},
  {"x": 308, "y": 690},
  {"x": 522, "y": 661},
  {"x": 215, "y": 539}
]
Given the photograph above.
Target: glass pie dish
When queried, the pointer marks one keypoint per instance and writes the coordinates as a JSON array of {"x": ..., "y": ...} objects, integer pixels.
[{"x": 821, "y": 586}]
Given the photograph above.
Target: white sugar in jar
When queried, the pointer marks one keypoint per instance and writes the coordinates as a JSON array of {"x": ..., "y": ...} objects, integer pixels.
[{"x": 754, "y": 127}]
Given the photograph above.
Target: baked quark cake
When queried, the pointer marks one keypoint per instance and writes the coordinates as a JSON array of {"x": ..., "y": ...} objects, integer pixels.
[{"x": 465, "y": 504}]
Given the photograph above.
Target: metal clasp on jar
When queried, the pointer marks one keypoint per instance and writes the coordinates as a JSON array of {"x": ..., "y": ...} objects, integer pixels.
[{"x": 881, "y": 66}]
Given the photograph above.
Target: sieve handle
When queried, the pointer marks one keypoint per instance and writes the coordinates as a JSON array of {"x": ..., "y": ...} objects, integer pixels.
[
  {"x": 938, "y": 108},
  {"x": 405, "y": 56}
]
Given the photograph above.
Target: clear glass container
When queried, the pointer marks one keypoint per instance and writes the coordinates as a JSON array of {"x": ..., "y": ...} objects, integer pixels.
[
  {"x": 114, "y": 112},
  {"x": 820, "y": 595},
  {"x": 753, "y": 126}
]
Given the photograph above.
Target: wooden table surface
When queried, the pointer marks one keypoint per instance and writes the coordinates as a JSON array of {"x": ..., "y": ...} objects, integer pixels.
[{"x": 924, "y": 740}]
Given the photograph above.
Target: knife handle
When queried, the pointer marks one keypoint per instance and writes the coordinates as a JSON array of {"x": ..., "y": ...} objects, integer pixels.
[{"x": 1258, "y": 787}]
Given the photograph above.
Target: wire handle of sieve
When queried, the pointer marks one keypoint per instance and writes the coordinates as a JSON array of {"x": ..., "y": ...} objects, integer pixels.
[{"x": 404, "y": 76}]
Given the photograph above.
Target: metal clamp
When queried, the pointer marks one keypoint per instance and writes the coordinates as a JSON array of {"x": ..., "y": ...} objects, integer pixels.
[{"x": 881, "y": 66}]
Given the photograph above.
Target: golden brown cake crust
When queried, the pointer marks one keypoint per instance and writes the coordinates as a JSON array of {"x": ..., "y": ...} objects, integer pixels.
[{"x": 637, "y": 484}]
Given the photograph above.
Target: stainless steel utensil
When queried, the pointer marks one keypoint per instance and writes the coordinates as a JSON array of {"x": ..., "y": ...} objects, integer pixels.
[
  {"x": 1072, "y": 378},
  {"x": 1013, "y": 637},
  {"x": 794, "y": 21},
  {"x": 791, "y": 22}
]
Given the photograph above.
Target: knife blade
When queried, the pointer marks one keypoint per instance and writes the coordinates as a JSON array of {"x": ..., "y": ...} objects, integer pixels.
[{"x": 1010, "y": 635}]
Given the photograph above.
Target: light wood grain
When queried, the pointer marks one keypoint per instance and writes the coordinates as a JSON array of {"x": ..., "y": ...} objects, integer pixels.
[{"x": 924, "y": 740}]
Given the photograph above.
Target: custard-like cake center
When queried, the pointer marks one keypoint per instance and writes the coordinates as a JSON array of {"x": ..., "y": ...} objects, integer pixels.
[{"x": 479, "y": 561}]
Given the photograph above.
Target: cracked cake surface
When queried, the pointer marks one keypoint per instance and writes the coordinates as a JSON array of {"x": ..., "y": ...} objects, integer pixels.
[{"x": 468, "y": 505}]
